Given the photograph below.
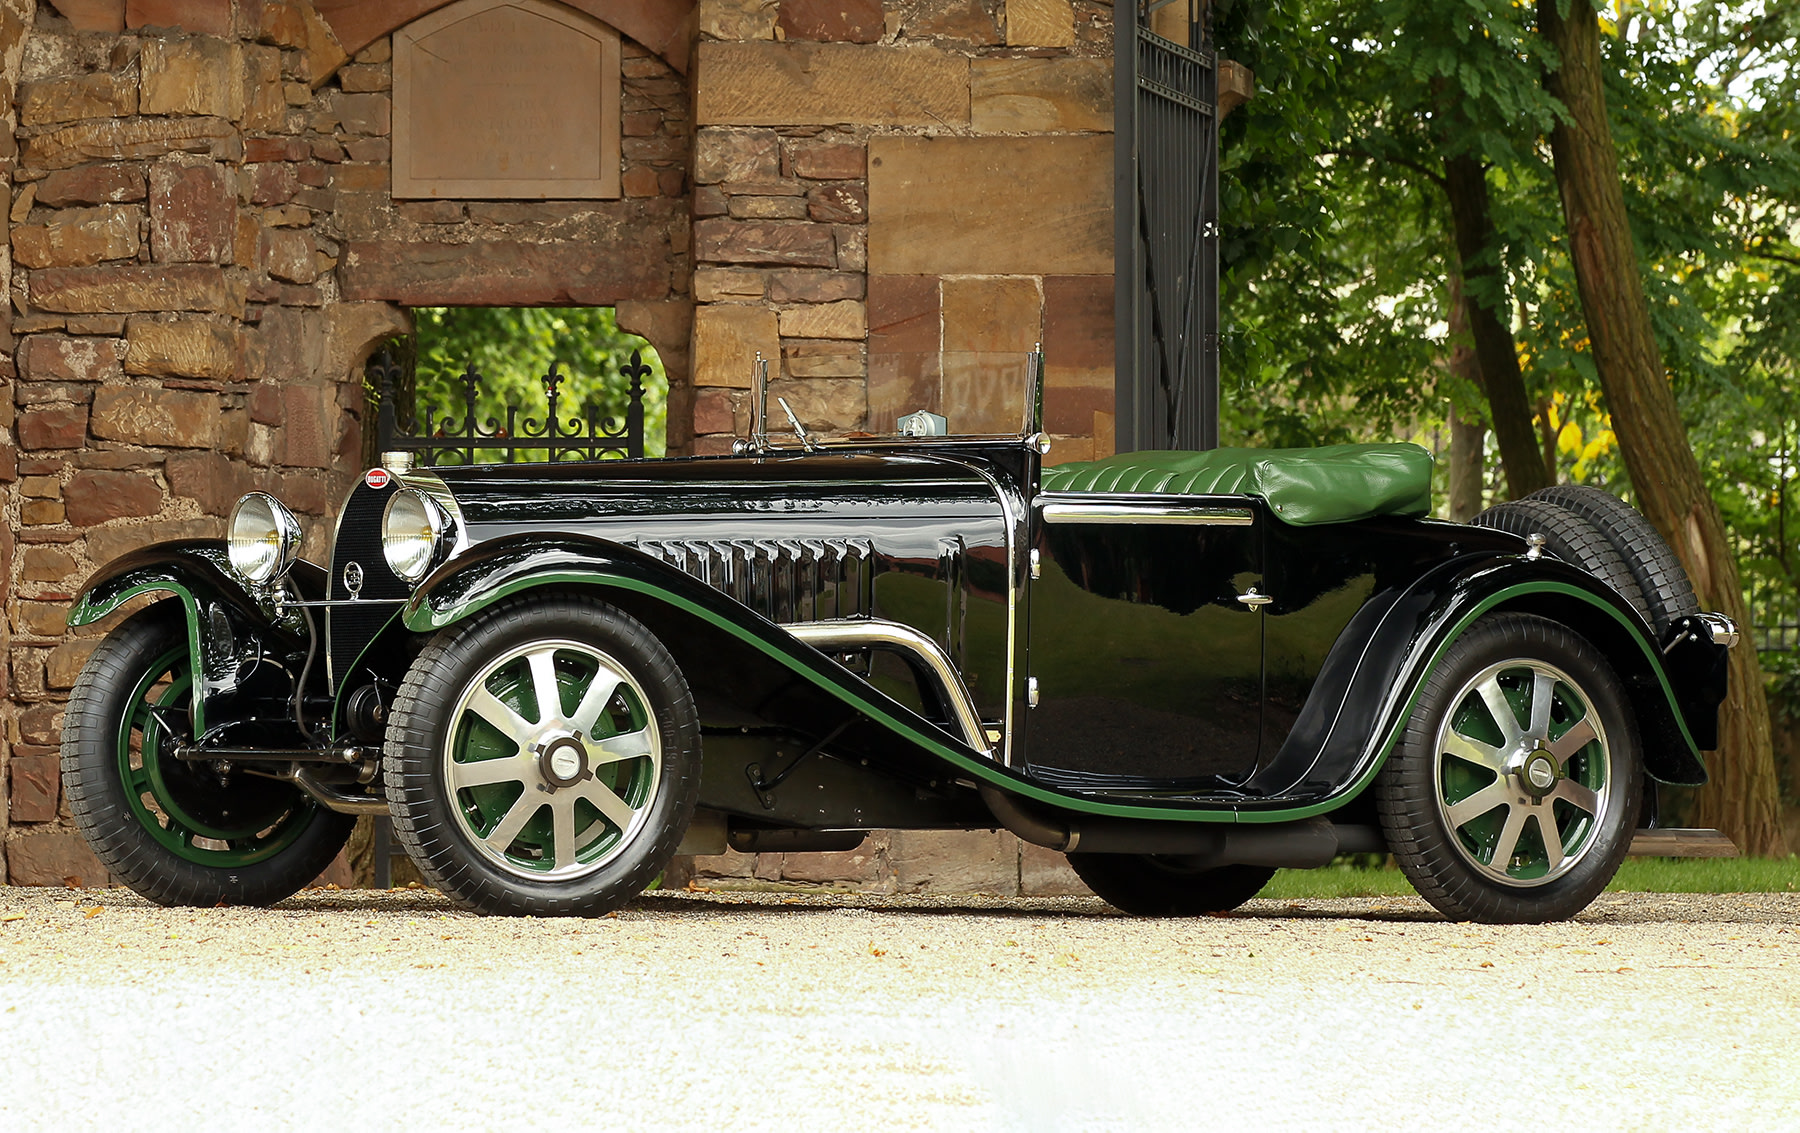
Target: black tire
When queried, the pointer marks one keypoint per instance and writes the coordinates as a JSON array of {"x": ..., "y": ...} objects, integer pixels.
[
  {"x": 178, "y": 833},
  {"x": 1668, "y": 593},
  {"x": 1165, "y": 885},
  {"x": 1570, "y": 537},
  {"x": 1464, "y": 796},
  {"x": 510, "y": 808}
]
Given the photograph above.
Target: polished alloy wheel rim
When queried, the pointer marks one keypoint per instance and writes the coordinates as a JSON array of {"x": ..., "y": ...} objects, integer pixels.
[
  {"x": 552, "y": 761},
  {"x": 1523, "y": 773},
  {"x": 195, "y": 809}
]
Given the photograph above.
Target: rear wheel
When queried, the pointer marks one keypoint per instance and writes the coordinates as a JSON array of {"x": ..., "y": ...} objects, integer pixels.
[
  {"x": 1513, "y": 792},
  {"x": 1668, "y": 594},
  {"x": 543, "y": 758},
  {"x": 1168, "y": 885},
  {"x": 179, "y": 832}
]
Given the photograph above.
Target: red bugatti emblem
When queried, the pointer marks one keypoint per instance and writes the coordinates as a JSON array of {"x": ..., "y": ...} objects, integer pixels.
[{"x": 377, "y": 477}]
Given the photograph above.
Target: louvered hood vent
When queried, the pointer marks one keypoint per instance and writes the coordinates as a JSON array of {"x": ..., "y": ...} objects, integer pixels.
[{"x": 785, "y": 580}]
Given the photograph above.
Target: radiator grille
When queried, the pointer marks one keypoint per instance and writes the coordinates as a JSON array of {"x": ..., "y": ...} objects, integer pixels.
[
  {"x": 358, "y": 540},
  {"x": 785, "y": 580}
]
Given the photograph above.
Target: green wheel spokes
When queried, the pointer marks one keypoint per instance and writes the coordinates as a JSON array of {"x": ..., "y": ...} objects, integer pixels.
[
  {"x": 553, "y": 759},
  {"x": 1523, "y": 772},
  {"x": 189, "y": 807}
]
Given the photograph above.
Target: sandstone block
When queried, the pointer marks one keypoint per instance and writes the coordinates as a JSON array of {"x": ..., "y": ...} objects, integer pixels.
[
  {"x": 905, "y": 314},
  {"x": 825, "y": 405},
  {"x": 39, "y": 619},
  {"x": 782, "y": 243},
  {"x": 105, "y": 544},
  {"x": 768, "y": 208},
  {"x": 640, "y": 181},
  {"x": 969, "y": 23},
  {"x": 193, "y": 213},
  {"x": 983, "y": 392},
  {"x": 959, "y": 206},
  {"x": 78, "y": 238},
  {"x": 311, "y": 427},
  {"x": 365, "y": 77},
  {"x": 838, "y": 204},
  {"x": 1041, "y": 96},
  {"x": 199, "y": 76},
  {"x": 125, "y": 139},
  {"x": 512, "y": 273},
  {"x": 66, "y": 660},
  {"x": 828, "y": 161},
  {"x": 103, "y": 95},
  {"x": 813, "y": 286},
  {"x": 64, "y": 426},
  {"x": 36, "y": 782},
  {"x": 47, "y": 564},
  {"x": 265, "y": 102},
  {"x": 737, "y": 19},
  {"x": 992, "y": 315},
  {"x": 368, "y": 114},
  {"x": 273, "y": 183},
  {"x": 55, "y": 358},
  {"x": 852, "y": 246},
  {"x": 1046, "y": 873},
  {"x": 432, "y": 212},
  {"x": 148, "y": 416},
  {"x": 111, "y": 326},
  {"x": 714, "y": 285},
  {"x": 41, "y": 513},
  {"x": 52, "y": 857},
  {"x": 844, "y": 319},
  {"x": 736, "y": 155},
  {"x": 111, "y": 289},
  {"x": 92, "y": 185},
  {"x": 822, "y": 358},
  {"x": 94, "y": 497},
  {"x": 288, "y": 254},
  {"x": 189, "y": 348},
  {"x": 202, "y": 17},
  {"x": 1040, "y": 23},
  {"x": 971, "y": 861},
  {"x": 107, "y": 16},
  {"x": 793, "y": 84},
  {"x": 1070, "y": 409},
  {"x": 258, "y": 150},
  {"x": 727, "y": 340},
  {"x": 46, "y": 487},
  {"x": 210, "y": 478},
  {"x": 832, "y": 21},
  {"x": 713, "y": 411}
]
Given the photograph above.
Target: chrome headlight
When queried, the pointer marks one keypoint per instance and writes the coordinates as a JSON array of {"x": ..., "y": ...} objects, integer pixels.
[
  {"x": 263, "y": 539},
  {"x": 413, "y": 530}
]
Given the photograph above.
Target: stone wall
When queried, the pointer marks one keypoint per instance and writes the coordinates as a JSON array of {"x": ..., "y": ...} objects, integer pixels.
[
  {"x": 204, "y": 249},
  {"x": 897, "y": 201}
]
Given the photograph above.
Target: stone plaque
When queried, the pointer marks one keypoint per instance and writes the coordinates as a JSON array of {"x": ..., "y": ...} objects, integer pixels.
[{"x": 506, "y": 98}]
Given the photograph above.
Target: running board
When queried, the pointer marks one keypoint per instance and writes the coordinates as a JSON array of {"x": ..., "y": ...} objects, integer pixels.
[{"x": 1677, "y": 843}]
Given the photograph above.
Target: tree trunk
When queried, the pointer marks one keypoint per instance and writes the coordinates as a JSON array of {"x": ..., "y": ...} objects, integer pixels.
[
  {"x": 1496, "y": 355},
  {"x": 1742, "y": 798},
  {"x": 1468, "y": 439}
]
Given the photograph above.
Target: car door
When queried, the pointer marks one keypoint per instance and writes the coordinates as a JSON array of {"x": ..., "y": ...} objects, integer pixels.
[{"x": 1145, "y": 641}]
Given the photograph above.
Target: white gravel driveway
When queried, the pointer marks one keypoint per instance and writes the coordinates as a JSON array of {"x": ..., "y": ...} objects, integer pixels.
[{"x": 744, "y": 1012}]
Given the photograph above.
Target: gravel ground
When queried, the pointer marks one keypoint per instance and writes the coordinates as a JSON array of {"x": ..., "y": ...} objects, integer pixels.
[{"x": 757, "y": 1011}]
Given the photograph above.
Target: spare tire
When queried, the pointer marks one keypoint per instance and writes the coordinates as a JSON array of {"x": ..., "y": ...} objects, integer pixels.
[
  {"x": 1668, "y": 595},
  {"x": 1572, "y": 538}
]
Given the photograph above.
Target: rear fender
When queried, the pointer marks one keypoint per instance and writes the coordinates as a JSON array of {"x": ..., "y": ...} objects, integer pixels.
[
  {"x": 1372, "y": 679},
  {"x": 226, "y": 623}
]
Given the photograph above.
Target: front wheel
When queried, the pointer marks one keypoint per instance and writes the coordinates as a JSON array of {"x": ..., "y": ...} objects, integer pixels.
[
  {"x": 179, "y": 832},
  {"x": 1513, "y": 792},
  {"x": 543, "y": 758},
  {"x": 1168, "y": 885}
]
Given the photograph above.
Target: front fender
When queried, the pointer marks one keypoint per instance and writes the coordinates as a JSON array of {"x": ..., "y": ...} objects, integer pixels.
[
  {"x": 218, "y": 610},
  {"x": 1372, "y": 679}
]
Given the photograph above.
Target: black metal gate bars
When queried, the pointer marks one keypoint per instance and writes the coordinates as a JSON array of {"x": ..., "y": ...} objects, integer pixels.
[
  {"x": 453, "y": 438},
  {"x": 1166, "y": 204}
]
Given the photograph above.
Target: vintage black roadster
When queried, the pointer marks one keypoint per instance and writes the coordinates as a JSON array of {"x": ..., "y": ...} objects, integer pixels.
[{"x": 1183, "y": 670}]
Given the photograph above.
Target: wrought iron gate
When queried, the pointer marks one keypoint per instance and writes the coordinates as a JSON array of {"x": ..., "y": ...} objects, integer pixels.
[
  {"x": 454, "y": 438},
  {"x": 1166, "y": 207}
]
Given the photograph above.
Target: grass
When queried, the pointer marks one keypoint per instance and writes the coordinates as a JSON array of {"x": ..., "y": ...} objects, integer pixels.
[{"x": 1637, "y": 875}]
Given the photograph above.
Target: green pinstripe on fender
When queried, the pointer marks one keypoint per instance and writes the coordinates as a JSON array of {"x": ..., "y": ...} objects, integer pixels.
[
  {"x": 422, "y": 618},
  {"x": 84, "y": 612}
]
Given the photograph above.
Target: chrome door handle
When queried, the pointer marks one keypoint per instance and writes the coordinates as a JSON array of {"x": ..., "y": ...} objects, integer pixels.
[{"x": 1254, "y": 600}]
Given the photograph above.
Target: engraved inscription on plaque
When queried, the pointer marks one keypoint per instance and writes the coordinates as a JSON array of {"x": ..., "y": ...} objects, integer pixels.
[{"x": 506, "y": 98}]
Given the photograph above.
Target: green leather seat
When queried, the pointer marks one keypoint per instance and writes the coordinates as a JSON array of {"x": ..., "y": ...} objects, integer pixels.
[{"x": 1303, "y": 486}]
